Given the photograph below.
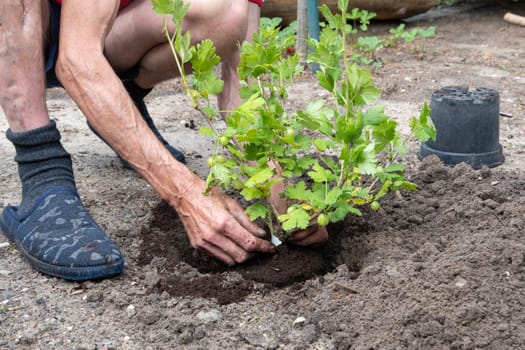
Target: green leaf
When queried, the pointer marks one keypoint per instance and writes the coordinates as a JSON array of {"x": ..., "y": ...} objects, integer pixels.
[
  {"x": 221, "y": 175},
  {"x": 256, "y": 211},
  {"x": 370, "y": 43},
  {"x": 395, "y": 168},
  {"x": 405, "y": 184},
  {"x": 422, "y": 127},
  {"x": 364, "y": 158},
  {"x": 320, "y": 174},
  {"x": 342, "y": 211},
  {"x": 163, "y": 7},
  {"x": 385, "y": 188},
  {"x": 298, "y": 191},
  {"x": 426, "y": 33},
  {"x": 369, "y": 94},
  {"x": 183, "y": 47},
  {"x": 250, "y": 193},
  {"x": 295, "y": 217},
  {"x": 322, "y": 144},
  {"x": 259, "y": 177},
  {"x": 342, "y": 5},
  {"x": 327, "y": 14},
  {"x": 375, "y": 116},
  {"x": 179, "y": 11},
  {"x": 333, "y": 196},
  {"x": 206, "y": 57},
  {"x": 251, "y": 105},
  {"x": 384, "y": 134}
]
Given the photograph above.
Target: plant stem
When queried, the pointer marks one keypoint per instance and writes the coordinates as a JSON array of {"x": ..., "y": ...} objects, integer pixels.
[{"x": 171, "y": 40}]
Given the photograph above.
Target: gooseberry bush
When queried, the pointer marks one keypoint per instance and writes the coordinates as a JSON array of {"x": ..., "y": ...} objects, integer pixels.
[{"x": 334, "y": 156}]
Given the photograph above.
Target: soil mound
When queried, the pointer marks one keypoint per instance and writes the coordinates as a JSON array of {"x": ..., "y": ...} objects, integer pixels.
[{"x": 449, "y": 201}]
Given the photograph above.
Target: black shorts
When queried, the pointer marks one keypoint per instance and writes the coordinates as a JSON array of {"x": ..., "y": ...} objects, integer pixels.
[{"x": 51, "y": 52}]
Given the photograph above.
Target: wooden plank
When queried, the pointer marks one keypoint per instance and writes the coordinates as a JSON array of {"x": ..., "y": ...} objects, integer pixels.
[{"x": 385, "y": 9}]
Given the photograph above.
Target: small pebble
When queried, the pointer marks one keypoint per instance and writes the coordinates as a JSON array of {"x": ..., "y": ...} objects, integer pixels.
[
  {"x": 4, "y": 244},
  {"x": 299, "y": 322},
  {"x": 93, "y": 296},
  {"x": 209, "y": 316},
  {"x": 460, "y": 282},
  {"x": 130, "y": 310}
]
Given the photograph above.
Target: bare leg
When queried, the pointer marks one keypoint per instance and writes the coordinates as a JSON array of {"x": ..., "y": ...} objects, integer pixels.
[
  {"x": 23, "y": 31},
  {"x": 137, "y": 31}
]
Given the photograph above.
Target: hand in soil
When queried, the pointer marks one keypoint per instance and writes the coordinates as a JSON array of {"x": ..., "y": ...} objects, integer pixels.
[
  {"x": 217, "y": 225},
  {"x": 311, "y": 235}
]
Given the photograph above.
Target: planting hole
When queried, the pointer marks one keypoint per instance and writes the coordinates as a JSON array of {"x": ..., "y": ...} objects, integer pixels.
[{"x": 185, "y": 271}]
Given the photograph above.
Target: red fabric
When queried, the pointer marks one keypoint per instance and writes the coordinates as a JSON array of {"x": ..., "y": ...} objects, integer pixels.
[
  {"x": 123, "y": 3},
  {"x": 258, "y": 2}
]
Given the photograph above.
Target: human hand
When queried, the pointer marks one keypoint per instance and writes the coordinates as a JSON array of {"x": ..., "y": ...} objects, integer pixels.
[{"x": 217, "y": 225}]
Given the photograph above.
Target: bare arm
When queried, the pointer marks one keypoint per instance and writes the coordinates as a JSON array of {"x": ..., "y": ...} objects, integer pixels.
[
  {"x": 214, "y": 223},
  {"x": 92, "y": 83}
]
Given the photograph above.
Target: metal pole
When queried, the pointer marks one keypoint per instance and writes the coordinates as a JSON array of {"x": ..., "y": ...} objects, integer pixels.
[
  {"x": 313, "y": 25},
  {"x": 302, "y": 30}
]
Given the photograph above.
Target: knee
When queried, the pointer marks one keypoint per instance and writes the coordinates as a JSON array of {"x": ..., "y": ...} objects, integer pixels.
[
  {"x": 235, "y": 19},
  {"x": 223, "y": 21}
]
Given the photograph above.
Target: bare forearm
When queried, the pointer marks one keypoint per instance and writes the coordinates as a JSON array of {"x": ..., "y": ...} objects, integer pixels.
[{"x": 107, "y": 106}]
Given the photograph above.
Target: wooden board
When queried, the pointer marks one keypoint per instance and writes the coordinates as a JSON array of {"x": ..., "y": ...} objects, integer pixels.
[{"x": 385, "y": 9}]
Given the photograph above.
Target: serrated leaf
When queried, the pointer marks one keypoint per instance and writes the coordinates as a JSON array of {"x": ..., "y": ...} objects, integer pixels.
[
  {"x": 163, "y": 7},
  {"x": 322, "y": 144},
  {"x": 256, "y": 211},
  {"x": 342, "y": 211},
  {"x": 364, "y": 158},
  {"x": 259, "y": 177},
  {"x": 298, "y": 191},
  {"x": 205, "y": 58},
  {"x": 320, "y": 174},
  {"x": 183, "y": 47},
  {"x": 250, "y": 193},
  {"x": 251, "y": 105},
  {"x": 333, "y": 196},
  {"x": 295, "y": 218},
  {"x": 422, "y": 127},
  {"x": 221, "y": 175}
]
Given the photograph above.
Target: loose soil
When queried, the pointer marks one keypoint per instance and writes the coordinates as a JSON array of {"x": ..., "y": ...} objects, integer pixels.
[{"x": 439, "y": 268}]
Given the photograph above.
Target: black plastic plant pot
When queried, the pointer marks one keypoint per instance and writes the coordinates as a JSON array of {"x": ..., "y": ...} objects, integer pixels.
[{"x": 467, "y": 126}]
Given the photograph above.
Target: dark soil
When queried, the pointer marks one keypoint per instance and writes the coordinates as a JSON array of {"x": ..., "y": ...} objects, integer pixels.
[
  {"x": 451, "y": 205},
  {"x": 165, "y": 238}
]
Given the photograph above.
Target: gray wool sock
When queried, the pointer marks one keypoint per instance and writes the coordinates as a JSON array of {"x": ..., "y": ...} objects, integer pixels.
[{"x": 42, "y": 162}]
